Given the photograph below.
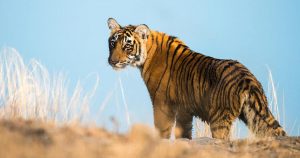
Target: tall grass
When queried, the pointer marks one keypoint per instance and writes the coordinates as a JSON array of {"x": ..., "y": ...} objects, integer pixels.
[
  {"x": 125, "y": 103},
  {"x": 29, "y": 91}
]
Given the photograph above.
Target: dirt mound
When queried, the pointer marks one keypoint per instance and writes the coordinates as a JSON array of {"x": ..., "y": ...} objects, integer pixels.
[{"x": 34, "y": 139}]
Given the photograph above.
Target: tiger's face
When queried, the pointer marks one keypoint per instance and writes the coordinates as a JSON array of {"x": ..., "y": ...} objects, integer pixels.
[{"x": 127, "y": 45}]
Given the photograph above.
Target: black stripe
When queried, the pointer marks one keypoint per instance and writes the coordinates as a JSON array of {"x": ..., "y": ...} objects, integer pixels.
[
  {"x": 147, "y": 58},
  {"x": 202, "y": 94},
  {"x": 152, "y": 40},
  {"x": 169, "y": 41},
  {"x": 220, "y": 62},
  {"x": 179, "y": 57},
  {"x": 184, "y": 78},
  {"x": 202, "y": 66},
  {"x": 258, "y": 98},
  {"x": 190, "y": 89},
  {"x": 191, "y": 75},
  {"x": 229, "y": 99},
  {"x": 178, "y": 77},
  {"x": 229, "y": 64},
  {"x": 223, "y": 79},
  {"x": 207, "y": 71},
  {"x": 154, "y": 55},
  {"x": 127, "y": 34},
  {"x": 242, "y": 85},
  {"x": 205, "y": 61},
  {"x": 275, "y": 124},
  {"x": 171, "y": 72}
]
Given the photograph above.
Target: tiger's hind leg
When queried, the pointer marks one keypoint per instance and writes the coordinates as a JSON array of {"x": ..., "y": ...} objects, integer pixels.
[
  {"x": 221, "y": 129},
  {"x": 184, "y": 125}
]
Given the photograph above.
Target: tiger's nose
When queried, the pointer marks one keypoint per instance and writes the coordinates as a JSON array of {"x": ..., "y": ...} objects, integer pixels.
[{"x": 112, "y": 62}]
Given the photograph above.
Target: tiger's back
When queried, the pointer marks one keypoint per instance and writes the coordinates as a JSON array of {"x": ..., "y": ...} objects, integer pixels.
[{"x": 183, "y": 84}]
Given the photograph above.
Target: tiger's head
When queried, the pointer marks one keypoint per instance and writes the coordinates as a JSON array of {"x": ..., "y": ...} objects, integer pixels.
[{"x": 127, "y": 45}]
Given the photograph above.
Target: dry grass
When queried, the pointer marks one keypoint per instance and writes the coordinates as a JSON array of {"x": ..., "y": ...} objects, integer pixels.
[{"x": 31, "y": 92}]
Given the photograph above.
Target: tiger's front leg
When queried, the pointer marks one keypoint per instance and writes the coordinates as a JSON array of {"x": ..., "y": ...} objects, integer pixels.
[{"x": 164, "y": 118}]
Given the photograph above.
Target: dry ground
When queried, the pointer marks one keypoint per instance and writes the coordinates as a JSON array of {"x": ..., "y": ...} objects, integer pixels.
[{"x": 34, "y": 139}]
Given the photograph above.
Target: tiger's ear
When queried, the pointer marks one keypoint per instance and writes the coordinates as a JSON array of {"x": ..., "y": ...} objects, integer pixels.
[
  {"x": 113, "y": 24},
  {"x": 143, "y": 31}
]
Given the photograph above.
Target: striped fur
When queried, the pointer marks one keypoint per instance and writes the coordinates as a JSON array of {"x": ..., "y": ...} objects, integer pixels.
[{"x": 183, "y": 84}]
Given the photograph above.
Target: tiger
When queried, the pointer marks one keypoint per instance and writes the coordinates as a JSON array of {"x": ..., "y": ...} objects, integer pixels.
[{"x": 184, "y": 84}]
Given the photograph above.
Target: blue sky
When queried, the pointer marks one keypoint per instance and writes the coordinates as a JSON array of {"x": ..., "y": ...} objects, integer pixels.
[{"x": 71, "y": 36}]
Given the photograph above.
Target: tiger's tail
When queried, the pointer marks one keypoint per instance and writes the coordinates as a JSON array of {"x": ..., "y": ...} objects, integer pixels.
[{"x": 257, "y": 116}]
